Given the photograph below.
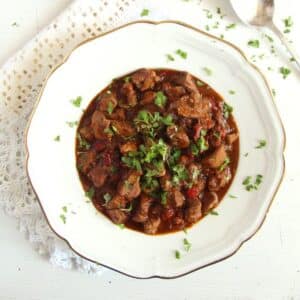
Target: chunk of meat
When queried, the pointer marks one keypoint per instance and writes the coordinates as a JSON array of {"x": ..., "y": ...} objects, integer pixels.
[
  {"x": 210, "y": 201},
  {"x": 165, "y": 182},
  {"x": 116, "y": 202},
  {"x": 218, "y": 179},
  {"x": 177, "y": 198},
  {"x": 87, "y": 133},
  {"x": 167, "y": 213},
  {"x": 117, "y": 216},
  {"x": 144, "y": 79},
  {"x": 107, "y": 102},
  {"x": 196, "y": 190},
  {"x": 129, "y": 187},
  {"x": 87, "y": 160},
  {"x": 99, "y": 125},
  {"x": 141, "y": 213},
  {"x": 232, "y": 137},
  {"x": 130, "y": 146},
  {"x": 194, "y": 108},
  {"x": 123, "y": 128},
  {"x": 178, "y": 137},
  {"x": 152, "y": 224},
  {"x": 128, "y": 92},
  {"x": 98, "y": 175},
  {"x": 216, "y": 159},
  {"x": 148, "y": 97},
  {"x": 118, "y": 114},
  {"x": 173, "y": 92},
  {"x": 186, "y": 80},
  {"x": 193, "y": 212}
]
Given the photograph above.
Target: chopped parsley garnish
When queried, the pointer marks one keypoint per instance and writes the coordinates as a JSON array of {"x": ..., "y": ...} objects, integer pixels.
[
  {"x": 201, "y": 144},
  {"x": 107, "y": 197},
  {"x": 186, "y": 244},
  {"x": 110, "y": 108},
  {"x": 179, "y": 173},
  {"x": 121, "y": 226},
  {"x": 230, "y": 26},
  {"x": 227, "y": 110},
  {"x": 209, "y": 15},
  {"x": 83, "y": 143},
  {"x": 65, "y": 209},
  {"x": 132, "y": 160},
  {"x": 163, "y": 197},
  {"x": 261, "y": 144},
  {"x": 108, "y": 131},
  {"x": 292, "y": 59},
  {"x": 181, "y": 53},
  {"x": 213, "y": 212},
  {"x": 250, "y": 185},
  {"x": 207, "y": 71},
  {"x": 200, "y": 83},
  {"x": 145, "y": 12},
  {"x": 127, "y": 209},
  {"x": 231, "y": 92},
  {"x": 217, "y": 134},
  {"x": 224, "y": 164},
  {"x": 127, "y": 79},
  {"x": 72, "y": 124},
  {"x": 177, "y": 254},
  {"x": 15, "y": 24},
  {"x": 284, "y": 71},
  {"x": 57, "y": 138},
  {"x": 149, "y": 124},
  {"x": 160, "y": 99},
  {"x": 254, "y": 43},
  {"x": 63, "y": 218},
  {"x": 170, "y": 57},
  {"x": 232, "y": 196},
  {"x": 90, "y": 193},
  {"x": 174, "y": 156},
  {"x": 77, "y": 102},
  {"x": 270, "y": 39}
]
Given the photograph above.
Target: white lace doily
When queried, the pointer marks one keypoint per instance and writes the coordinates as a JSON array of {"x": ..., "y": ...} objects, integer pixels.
[{"x": 22, "y": 77}]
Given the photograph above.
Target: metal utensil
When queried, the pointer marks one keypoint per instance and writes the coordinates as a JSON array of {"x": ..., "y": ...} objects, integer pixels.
[{"x": 260, "y": 13}]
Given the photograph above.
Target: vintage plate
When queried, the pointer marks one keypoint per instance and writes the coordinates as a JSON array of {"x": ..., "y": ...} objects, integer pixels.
[{"x": 51, "y": 164}]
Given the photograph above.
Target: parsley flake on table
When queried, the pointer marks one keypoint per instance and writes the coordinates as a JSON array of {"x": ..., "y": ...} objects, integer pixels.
[
  {"x": 270, "y": 39},
  {"x": 65, "y": 209},
  {"x": 181, "y": 53},
  {"x": 77, "y": 101},
  {"x": 145, "y": 12},
  {"x": 232, "y": 196},
  {"x": 207, "y": 71},
  {"x": 273, "y": 92},
  {"x": 285, "y": 72},
  {"x": 57, "y": 138},
  {"x": 261, "y": 144},
  {"x": 187, "y": 245},
  {"x": 15, "y": 24},
  {"x": 231, "y": 92},
  {"x": 160, "y": 99},
  {"x": 208, "y": 13},
  {"x": 288, "y": 23},
  {"x": 254, "y": 43}
]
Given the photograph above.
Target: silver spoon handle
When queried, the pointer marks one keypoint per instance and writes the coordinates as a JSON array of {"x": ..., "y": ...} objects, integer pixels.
[{"x": 286, "y": 43}]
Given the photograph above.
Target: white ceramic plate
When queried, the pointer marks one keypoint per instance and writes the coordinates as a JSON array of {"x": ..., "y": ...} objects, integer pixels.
[{"x": 51, "y": 164}]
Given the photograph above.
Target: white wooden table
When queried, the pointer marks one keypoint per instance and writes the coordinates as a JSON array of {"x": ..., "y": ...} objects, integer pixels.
[{"x": 266, "y": 267}]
